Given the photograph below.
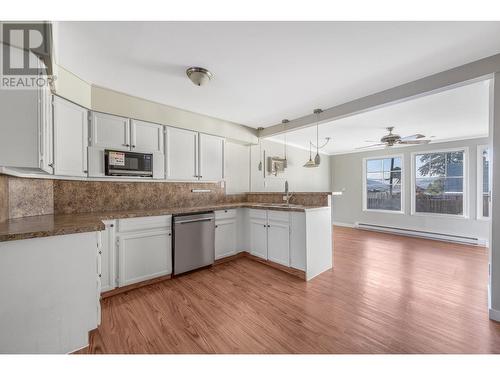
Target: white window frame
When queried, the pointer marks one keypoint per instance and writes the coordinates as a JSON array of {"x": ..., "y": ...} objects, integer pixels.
[
  {"x": 479, "y": 177},
  {"x": 403, "y": 185},
  {"x": 465, "y": 214}
]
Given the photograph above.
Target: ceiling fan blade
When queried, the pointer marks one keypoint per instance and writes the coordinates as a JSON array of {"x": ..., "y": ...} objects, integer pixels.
[
  {"x": 413, "y": 137},
  {"x": 415, "y": 142},
  {"x": 376, "y": 145}
]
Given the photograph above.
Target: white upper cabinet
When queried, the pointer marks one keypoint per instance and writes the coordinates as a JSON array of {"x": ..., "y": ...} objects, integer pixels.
[
  {"x": 70, "y": 138},
  {"x": 211, "y": 158},
  {"x": 192, "y": 156},
  {"x": 110, "y": 132},
  {"x": 26, "y": 124},
  {"x": 181, "y": 154},
  {"x": 146, "y": 136}
]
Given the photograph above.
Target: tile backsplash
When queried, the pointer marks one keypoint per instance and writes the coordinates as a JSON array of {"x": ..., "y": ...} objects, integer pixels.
[
  {"x": 100, "y": 196},
  {"x": 29, "y": 197}
]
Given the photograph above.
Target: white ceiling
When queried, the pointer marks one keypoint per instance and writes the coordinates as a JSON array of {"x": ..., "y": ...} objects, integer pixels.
[
  {"x": 460, "y": 113},
  {"x": 267, "y": 71}
]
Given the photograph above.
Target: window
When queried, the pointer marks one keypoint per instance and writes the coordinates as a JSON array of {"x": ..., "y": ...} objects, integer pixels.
[
  {"x": 383, "y": 181},
  {"x": 439, "y": 182},
  {"x": 483, "y": 177}
]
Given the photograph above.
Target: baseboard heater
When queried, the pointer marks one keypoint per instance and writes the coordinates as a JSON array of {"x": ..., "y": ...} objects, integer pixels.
[{"x": 422, "y": 234}]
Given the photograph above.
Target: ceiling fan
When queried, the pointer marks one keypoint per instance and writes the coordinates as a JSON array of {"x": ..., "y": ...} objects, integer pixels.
[{"x": 391, "y": 139}]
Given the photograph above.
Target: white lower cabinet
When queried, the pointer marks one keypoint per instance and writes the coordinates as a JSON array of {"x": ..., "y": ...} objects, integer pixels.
[
  {"x": 134, "y": 250},
  {"x": 278, "y": 242},
  {"x": 226, "y": 231},
  {"x": 258, "y": 237},
  {"x": 225, "y": 238},
  {"x": 270, "y": 235},
  {"x": 144, "y": 255}
]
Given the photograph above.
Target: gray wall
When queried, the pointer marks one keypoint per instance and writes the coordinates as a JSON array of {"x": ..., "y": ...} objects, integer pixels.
[{"x": 347, "y": 176}]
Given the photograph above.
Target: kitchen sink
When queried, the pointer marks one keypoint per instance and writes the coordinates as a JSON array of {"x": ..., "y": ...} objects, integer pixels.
[{"x": 284, "y": 205}]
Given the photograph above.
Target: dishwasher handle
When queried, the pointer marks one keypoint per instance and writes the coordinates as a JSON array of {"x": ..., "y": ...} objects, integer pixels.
[{"x": 192, "y": 221}]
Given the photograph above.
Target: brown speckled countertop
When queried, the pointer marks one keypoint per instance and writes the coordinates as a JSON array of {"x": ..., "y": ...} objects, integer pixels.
[{"x": 54, "y": 225}]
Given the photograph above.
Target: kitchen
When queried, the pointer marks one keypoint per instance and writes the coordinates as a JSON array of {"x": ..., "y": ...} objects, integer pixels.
[{"x": 195, "y": 199}]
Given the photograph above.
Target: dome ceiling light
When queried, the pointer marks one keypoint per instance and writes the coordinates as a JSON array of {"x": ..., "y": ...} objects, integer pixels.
[{"x": 199, "y": 76}]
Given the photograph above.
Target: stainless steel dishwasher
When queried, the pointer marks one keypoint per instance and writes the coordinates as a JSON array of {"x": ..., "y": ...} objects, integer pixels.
[{"x": 194, "y": 241}]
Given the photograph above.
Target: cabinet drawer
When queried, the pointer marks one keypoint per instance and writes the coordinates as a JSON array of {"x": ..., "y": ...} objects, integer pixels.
[
  {"x": 257, "y": 214},
  {"x": 225, "y": 214},
  {"x": 278, "y": 216},
  {"x": 144, "y": 223}
]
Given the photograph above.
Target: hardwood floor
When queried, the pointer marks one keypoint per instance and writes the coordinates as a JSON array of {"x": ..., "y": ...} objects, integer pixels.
[{"x": 386, "y": 294}]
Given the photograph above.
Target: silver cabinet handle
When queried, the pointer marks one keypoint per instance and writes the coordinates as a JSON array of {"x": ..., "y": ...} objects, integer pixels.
[
  {"x": 126, "y": 145},
  {"x": 133, "y": 146},
  {"x": 192, "y": 221}
]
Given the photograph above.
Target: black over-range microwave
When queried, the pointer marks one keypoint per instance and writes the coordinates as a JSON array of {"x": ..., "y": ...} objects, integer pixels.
[{"x": 125, "y": 163}]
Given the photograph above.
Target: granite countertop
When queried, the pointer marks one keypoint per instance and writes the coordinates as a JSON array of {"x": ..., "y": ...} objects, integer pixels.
[{"x": 54, "y": 225}]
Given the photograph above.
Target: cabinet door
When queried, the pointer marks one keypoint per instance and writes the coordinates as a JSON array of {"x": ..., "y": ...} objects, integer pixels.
[
  {"x": 143, "y": 256},
  {"x": 46, "y": 131},
  {"x": 278, "y": 242},
  {"x": 110, "y": 132},
  {"x": 211, "y": 158},
  {"x": 108, "y": 257},
  {"x": 258, "y": 238},
  {"x": 225, "y": 238},
  {"x": 70, "y": 138},
  {"x": 181, "y": 154},
  {"x": 146, "y": 136}
]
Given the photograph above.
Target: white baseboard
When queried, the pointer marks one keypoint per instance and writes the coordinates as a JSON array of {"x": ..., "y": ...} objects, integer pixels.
[
  {"x": 340, "y": 224},
  {"x": 495, "y": 315},
  {"x": 422, "y": 234}
]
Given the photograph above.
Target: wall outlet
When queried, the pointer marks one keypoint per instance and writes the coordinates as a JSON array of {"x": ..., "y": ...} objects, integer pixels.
[
  {"x": 222, "y": 184},
  {"x": 284, "y": 197}
]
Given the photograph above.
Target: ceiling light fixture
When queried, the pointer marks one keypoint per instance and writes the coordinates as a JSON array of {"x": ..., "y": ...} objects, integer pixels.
[
  {"x": 317, "y": 159},
  {"x": 310, "y": 163},
  {"x": 199, "y": 76}
]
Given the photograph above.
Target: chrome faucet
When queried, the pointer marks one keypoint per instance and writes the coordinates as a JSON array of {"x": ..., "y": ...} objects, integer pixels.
[{"x": 288, "y": 195}]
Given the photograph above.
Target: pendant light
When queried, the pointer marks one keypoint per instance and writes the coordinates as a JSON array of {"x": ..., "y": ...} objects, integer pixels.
[
  {"x": 285, "y": 161},
  {"x": 317, "y": 159},
  {"x": 310, "y": 163},
  {"x": 260, "y": 151}
]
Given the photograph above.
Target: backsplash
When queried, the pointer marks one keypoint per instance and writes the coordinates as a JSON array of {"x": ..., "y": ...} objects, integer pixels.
[
  {"x": 306, "y": 199},
  {"x": 21, "y": 197},
  {"x": 99, "y": 196}
]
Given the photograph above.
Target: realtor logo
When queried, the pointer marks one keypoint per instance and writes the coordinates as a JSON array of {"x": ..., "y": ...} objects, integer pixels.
[{"x": 23, "y": 46}]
